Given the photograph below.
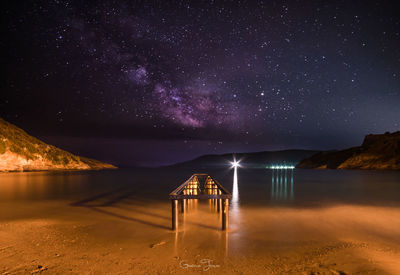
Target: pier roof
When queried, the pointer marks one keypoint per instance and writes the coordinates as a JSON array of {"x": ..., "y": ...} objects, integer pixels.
[{"x": 200, "y": 186}]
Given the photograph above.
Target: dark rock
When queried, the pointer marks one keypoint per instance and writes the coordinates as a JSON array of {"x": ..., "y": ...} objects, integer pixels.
[{"x": 376, "y": 152}]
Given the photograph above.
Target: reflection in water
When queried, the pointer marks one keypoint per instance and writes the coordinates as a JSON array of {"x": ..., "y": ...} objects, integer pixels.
[
  {"x": 225, "y": 241},
  {"x": 282, "y": 184},
  {"x": 233, "y": 242},
  {"x": 235, "y": 191},
  {"x": 219, "y": 245},
  {"x": 199, "y": 219},
  {"x": 235, "y": 211}
]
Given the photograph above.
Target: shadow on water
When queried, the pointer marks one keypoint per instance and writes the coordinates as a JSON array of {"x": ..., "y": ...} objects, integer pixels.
[
  {"x": 113, "y": 198},
  {"x": 122, "y": 198},
  {"x": 126, "y": 217},
  {"x": 85, "y": 202}
]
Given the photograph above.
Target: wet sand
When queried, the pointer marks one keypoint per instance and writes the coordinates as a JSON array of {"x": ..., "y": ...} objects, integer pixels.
[{"x": 132, "y": 236}]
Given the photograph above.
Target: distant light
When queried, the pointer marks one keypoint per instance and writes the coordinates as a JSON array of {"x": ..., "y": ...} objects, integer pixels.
[
  {"x": 235, "y": 164},
  {"x": 277, "y": 167}
]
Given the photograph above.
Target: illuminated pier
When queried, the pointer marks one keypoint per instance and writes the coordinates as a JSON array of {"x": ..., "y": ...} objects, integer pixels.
[{"x": 200, "y": 186}]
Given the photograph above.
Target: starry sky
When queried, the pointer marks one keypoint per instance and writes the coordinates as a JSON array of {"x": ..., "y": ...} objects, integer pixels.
[{"x": 156, "y": 82}]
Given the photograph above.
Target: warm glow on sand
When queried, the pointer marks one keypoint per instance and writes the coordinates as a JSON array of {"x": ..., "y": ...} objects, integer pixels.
[{"x": 94, "y": 239}]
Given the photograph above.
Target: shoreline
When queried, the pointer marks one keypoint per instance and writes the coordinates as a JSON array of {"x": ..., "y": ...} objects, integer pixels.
[
  {"x": 94, "y": 237},
  {"x": 57, "y": 170}
]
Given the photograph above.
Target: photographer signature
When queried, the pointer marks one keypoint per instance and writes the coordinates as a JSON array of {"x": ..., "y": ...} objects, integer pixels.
[{"x": 205, "y": 264}]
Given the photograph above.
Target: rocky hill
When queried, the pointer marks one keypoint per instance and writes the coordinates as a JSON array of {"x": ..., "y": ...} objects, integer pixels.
[
  {"x": 249, "y": 160},
  {"x": 22, "y": 152},
  {"x": 376, "y": 152}
]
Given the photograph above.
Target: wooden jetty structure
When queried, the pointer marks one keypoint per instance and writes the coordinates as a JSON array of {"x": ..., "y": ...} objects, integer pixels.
[{"x": 200, "y": 186}]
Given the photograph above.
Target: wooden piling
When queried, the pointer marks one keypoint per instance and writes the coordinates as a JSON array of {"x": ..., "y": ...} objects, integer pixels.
[
  {"x": 219, "y": 205},
  {"x": 183, "y": 205},
  {"x": 174, "y": 208},
  {"x": 225, "y": 214}
]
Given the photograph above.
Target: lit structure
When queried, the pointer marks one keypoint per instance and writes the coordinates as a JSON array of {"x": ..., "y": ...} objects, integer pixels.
[
  {"x": 275, "y": 167},
  {"x": 200, "y": 186}
]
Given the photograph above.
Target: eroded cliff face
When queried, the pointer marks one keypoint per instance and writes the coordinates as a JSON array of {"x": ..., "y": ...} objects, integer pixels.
[
  {"x": 22, "y": 152},
  {"x": 376, "y": 152}
]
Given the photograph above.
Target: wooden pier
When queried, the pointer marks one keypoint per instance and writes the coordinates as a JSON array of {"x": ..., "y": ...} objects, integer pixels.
[{"x": 200, "y": 186}]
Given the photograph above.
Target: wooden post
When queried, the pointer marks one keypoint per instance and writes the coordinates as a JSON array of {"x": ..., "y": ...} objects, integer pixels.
[
  {"x": 174, "y": 208},
  {"x": 219, "y": 205},
  {"x": 225, "y": 214},
  {"x": 183, "y": 205}
]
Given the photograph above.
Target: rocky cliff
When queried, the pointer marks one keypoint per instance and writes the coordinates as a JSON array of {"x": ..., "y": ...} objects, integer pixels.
[
  {"x": 22, "y": 152},
  {"x": 376, "y": 152}
]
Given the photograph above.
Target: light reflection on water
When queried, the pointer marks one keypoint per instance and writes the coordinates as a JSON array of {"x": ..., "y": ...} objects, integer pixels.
[
  {"x": 257, "y": 186},
  {"x": 235, "y": 202},
  {"x": 235, "y": 217},
  {"x": 133, "y": 188},
  {"x": 282, "y": 184},
  {"x": 235, "y": 191}
]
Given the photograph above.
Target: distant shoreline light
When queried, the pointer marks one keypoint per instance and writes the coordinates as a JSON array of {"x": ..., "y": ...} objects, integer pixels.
[
  {"x": 235, "y": 164},
  {"x": 281, "y": 167}
]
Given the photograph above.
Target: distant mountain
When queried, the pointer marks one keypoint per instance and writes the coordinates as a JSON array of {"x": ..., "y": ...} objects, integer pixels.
[
  {"x": 22, "y": 152},
  {"x": 376, "y": 152},
  {"x": 249, "y": 160}
]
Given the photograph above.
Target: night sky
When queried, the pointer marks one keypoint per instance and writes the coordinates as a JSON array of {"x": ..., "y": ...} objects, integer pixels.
[{"x": 148, "y": 83}]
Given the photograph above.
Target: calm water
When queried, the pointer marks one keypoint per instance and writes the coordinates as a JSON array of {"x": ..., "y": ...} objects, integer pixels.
[{"x": 248, "y": 186}]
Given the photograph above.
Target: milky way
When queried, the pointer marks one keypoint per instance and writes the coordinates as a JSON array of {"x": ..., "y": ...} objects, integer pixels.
[
  {"x": 257, "y": 74},
  {"x": 148, "y": 62}
]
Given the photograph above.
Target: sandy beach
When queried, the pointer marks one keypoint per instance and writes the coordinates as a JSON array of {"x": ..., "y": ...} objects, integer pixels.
[
  {"x": 200, "y": 137},
  {"x": 132, "y": 236}
]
